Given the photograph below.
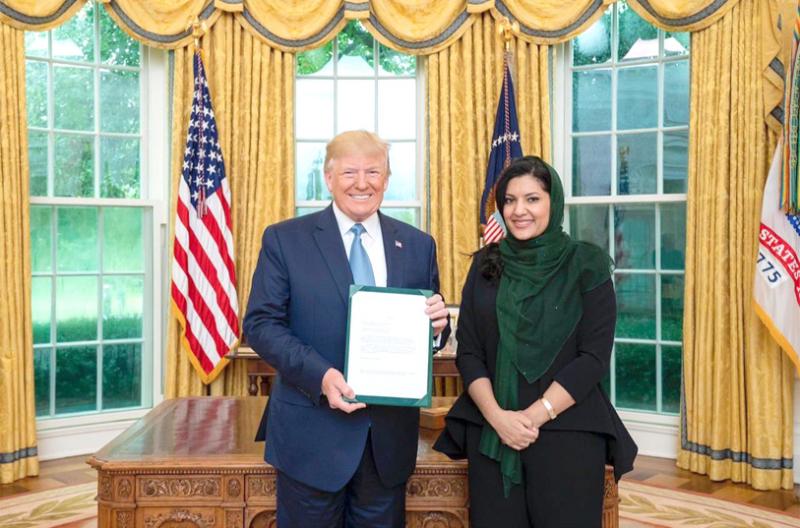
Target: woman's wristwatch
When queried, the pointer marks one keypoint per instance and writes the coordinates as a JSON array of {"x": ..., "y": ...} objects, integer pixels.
[{"x": 549, "y": 408}]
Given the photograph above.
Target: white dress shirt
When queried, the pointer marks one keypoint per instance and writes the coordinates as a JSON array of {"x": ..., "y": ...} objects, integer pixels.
[{"x": 371, "y": 239}]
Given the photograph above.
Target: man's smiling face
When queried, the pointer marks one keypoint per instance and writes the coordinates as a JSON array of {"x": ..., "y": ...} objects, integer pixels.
[{"x": 357, "y": 183}]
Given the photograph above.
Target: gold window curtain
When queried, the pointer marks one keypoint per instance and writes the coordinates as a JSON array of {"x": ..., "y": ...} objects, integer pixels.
[
  {"x": 251, "y": 86},
  {"x": 464, "y": 84},
  {"x": 413, "y": 26},
  {"x": 18, "y": 452},
  {"x": 736, "y": 421}
]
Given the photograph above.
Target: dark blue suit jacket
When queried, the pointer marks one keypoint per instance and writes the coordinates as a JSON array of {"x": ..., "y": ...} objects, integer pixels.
[{"x": 296, "y": 321}]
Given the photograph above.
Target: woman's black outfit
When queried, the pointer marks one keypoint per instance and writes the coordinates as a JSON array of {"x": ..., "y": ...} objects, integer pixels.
[{"x": 564, "y": 469}]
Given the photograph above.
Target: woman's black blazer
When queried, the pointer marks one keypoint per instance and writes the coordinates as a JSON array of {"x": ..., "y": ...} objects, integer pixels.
[{"x": 579, "y": 367}]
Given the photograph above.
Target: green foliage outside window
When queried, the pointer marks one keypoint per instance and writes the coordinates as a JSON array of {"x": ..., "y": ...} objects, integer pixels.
[
  {"x": 593, "y": 46},
  {"x": 83, "y": 89},
  {"x": 355, "y": 40}
]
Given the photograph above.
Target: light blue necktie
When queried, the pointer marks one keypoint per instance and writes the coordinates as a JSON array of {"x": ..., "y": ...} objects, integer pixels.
[{"x": 359, "y": 260}]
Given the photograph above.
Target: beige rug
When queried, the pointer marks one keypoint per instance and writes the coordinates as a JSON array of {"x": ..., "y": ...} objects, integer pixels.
[
  {"x": 51, "y": 508},
  {"x": 648, "y": 506},
  {"x": 641, "y": 506}
]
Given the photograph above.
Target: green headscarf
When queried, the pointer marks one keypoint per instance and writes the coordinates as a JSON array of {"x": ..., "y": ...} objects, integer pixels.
[{"x": 538, "y": 307}]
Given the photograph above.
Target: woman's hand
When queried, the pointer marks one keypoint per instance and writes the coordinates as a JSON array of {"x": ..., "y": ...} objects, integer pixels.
[{"x": 514, "y": 428}]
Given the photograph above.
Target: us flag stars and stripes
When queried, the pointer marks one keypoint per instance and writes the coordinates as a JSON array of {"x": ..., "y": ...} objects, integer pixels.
[
  {"x": 505, "y": 147},
  {"x": 203, "y": 273}
]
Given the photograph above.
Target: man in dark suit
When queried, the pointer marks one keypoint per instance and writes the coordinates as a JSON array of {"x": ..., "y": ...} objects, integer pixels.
[{"x": 338, "y": 462}]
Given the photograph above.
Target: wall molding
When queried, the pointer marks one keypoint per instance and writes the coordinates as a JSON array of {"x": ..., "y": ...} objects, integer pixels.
[{"x": 78, "y": 440}]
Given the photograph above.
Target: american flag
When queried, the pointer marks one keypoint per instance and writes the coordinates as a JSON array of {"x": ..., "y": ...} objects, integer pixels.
[
  {"x": 203, "y": 273},
  {"x": 505, "y": 147}
]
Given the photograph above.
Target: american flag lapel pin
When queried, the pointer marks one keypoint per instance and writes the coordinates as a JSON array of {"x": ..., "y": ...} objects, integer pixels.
[{"x": 398, "y": 244}]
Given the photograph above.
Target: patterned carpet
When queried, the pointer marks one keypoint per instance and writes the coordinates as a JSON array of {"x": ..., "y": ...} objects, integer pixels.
[
  {"x": 642, "y": 506},
  {"x": 69, "y": 506},
  {"x": 647, "y": 506}
]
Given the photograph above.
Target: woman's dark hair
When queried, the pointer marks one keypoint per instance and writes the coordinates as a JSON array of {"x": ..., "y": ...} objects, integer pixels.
[{"x": 491, "y": 267}]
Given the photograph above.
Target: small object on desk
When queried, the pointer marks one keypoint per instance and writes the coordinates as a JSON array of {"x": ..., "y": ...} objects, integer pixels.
[{"x": 433, "y": 417}]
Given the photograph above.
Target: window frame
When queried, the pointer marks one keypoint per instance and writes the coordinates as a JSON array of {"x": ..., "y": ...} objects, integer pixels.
[
  {"x": 656, "y": 431},
  {"x": 421, "y": 204},
  {"x": 80, "y": 432}
]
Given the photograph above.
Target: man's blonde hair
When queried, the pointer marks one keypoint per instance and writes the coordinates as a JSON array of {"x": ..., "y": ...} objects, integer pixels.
[{"x": 356, "y": 142}]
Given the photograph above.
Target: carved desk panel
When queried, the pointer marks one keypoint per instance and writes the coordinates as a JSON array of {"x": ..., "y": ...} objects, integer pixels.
[{"x": 192, "y": 463}]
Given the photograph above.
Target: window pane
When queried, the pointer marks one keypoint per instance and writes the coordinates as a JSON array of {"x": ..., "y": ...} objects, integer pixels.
[
  {"x": 637, "y": 98},
  {"x": 73, "y": 98},
  {"x": 74, "y": 166},
  {"x": 75, "y": 40},
  {"x": 673, "y": 236},
  {"x": 591, "y": 100},
  {"x": 76, "y": 309},
  {"x": 37, "y": 161},
  {"x": 122, "y": 376},
  {"x": 671, "y": 368},
  {"x": 637, "y": 160},
  {"x": 41, "y": 238},
  {"x": 302, "y": 211},
  {"x": 395, "y": 63},
  {"x": 36, "y": 44},
  {"x": 636, "y": 365},
  {"x": 115, "y": 46},
  {"x": 591, "y": 166},
  {"x": 122, "y": 239},
  {"x": 676, "y": 93},
  {"x": 403, "y": 181},
  {"x": 36, "y": 93},
  {"x": 119, "y": 168},
  {"x": 314, "y": 109},
  {"x": 41, "y": 304},
  {"x": 356, "y": 50},
  {"x": 41, "y": 380},
  {"x": 590, "y": 224},
  {"x": 77, "y": 239},
  {"x": 677, "y": 43},
  {"x": 310, "y": 176},
  {"x": 672, "y": 307},
  {"x": 593, "y": 46},
  {"x": 355, "y": 105},
  {"x": 76, "y": 379},
  {"x": 123, "y": 305},
  {"x": 636, "y": 306},
  {"x": 317, "y": 61},
  {"x": 676, "y": 161},
  {"x": 119, "y": 101},
  {"x": 637, "y": 38},
  {"x": 409, "y": 215},
  {"x": 634, "y": 236},
  {"x": 397, "y": 101}
]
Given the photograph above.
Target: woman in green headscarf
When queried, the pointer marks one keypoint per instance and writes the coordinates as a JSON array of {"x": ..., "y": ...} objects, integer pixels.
[{"x": 535, "y": 332}]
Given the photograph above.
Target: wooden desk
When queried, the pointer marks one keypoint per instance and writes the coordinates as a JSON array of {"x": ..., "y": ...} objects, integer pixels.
[{"x": 192, "y": 462}]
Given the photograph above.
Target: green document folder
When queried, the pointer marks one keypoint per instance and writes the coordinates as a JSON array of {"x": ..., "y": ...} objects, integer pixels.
[{"x": 378, "y": 353}]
